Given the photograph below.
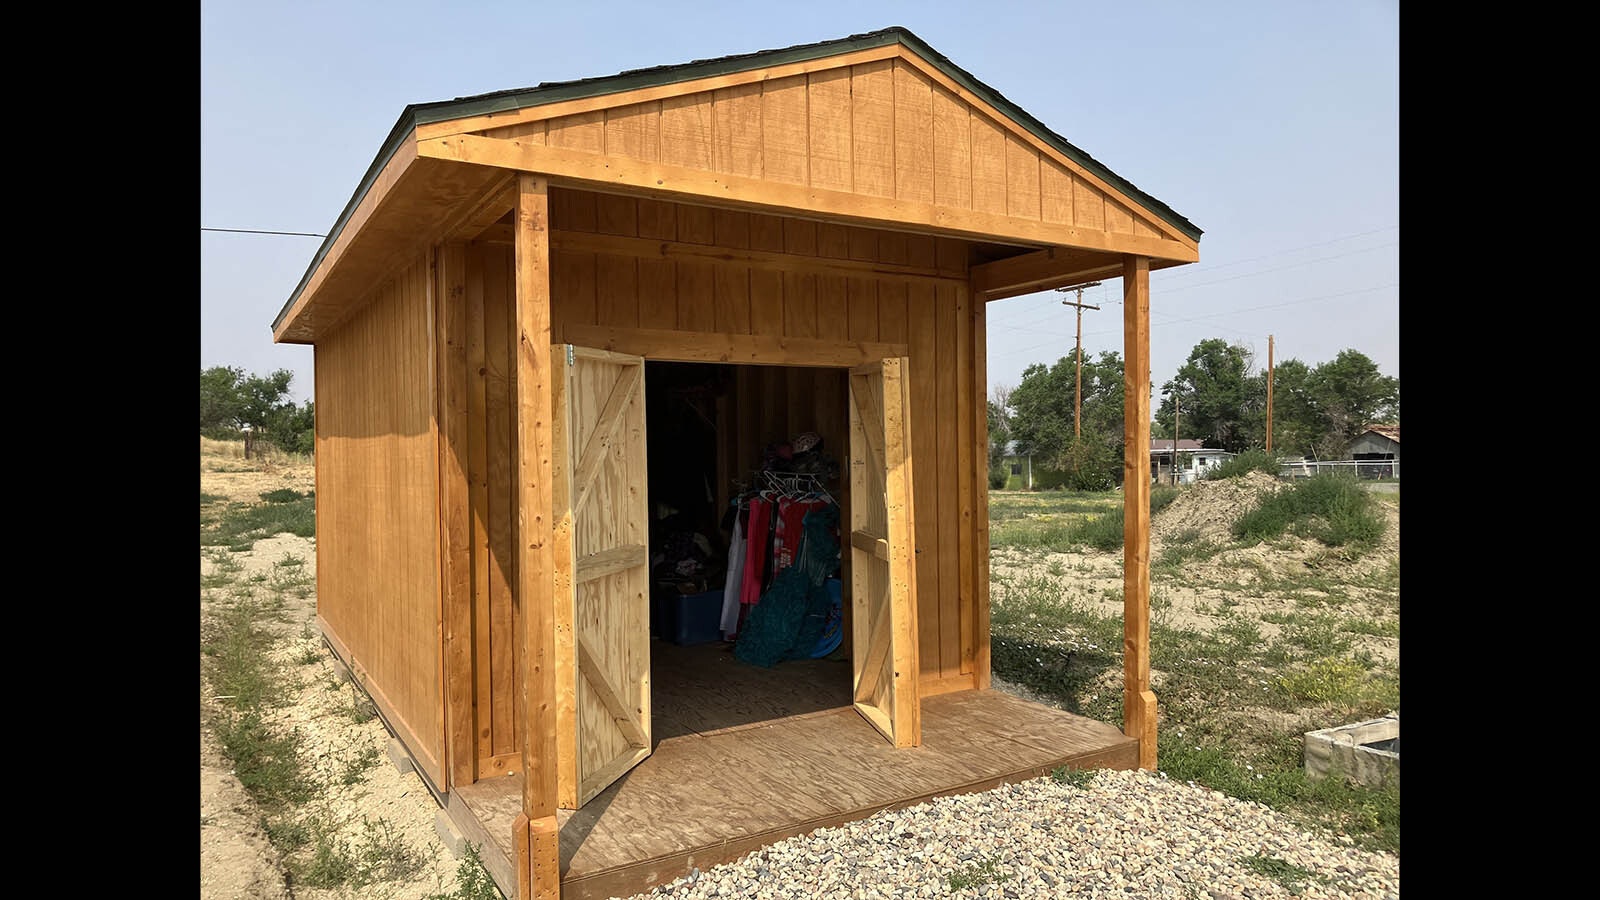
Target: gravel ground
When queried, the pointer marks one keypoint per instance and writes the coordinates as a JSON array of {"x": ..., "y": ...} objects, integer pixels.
[{"x": 1124, "y": 835}]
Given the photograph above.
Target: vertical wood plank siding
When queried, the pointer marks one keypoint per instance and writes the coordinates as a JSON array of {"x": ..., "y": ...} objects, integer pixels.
[
  {"x": 882, "y": 128},
  {"x": 377, "y": 494},
  {"x": 729, "y": 297}
]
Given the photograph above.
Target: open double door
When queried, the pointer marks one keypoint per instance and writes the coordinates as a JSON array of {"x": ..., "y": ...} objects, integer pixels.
[{"x": 602, "y": 589}]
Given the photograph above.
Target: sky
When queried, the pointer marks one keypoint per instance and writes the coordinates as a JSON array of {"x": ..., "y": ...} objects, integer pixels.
[{"x": 1273, "y": 127}]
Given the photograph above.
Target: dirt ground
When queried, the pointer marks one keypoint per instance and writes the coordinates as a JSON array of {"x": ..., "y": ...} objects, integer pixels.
[
  {"x": 238, "y": 863},
  {"x": 1203, "y": 512},
  {"x": 236, "y": 860}
]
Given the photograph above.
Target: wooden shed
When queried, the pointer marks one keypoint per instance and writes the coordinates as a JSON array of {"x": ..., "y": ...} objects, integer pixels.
[{"x": 796, "y": 240}]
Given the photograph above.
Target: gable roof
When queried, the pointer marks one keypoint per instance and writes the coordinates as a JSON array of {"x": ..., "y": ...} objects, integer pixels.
[
  {"x": 1164, "y": 445},
  {"x": 546, "y": 93},
  {"x": 1392, "y": 432}
]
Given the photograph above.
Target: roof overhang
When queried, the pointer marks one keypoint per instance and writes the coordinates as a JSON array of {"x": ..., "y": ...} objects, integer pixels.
[{"x": 446, "y": 169}]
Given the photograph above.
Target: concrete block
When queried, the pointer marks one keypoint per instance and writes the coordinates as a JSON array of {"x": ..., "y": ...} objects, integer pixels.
[
  {"x": 400, "y": 758},
  {"x": 1364, "y": 752},
  {"x": 449, "y": 834}
]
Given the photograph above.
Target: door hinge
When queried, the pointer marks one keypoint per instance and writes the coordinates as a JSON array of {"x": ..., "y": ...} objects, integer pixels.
[{"x": 570, "y": 356}]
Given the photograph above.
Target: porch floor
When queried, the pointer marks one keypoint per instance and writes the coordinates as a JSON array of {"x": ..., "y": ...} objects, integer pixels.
[{"x": 708, "y": 797}]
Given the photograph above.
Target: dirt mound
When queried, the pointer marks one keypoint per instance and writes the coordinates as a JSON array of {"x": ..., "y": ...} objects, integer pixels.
[{"x": 1209, "y": 508}]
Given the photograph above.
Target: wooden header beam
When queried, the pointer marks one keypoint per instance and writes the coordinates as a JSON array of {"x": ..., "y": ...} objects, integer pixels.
[{"x": 630, "y": 176}]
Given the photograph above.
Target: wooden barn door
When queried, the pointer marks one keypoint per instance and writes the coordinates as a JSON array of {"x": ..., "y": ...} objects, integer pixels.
[
  {"x": 602, "y": 588},
  {"x": 883, "y": 567}
]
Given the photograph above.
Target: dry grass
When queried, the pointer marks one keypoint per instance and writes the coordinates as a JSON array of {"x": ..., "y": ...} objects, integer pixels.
[{"x": 265, "y": 456}]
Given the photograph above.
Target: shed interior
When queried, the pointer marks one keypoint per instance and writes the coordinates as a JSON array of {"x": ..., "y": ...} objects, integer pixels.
[{"x": 722, "y": 439}]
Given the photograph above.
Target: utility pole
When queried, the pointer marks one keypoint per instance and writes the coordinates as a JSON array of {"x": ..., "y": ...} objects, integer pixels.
[
  {"x": 1269, "y": 393},
  {"x": 1077, "y": 397},
  {"x": 1177, "y": 409}
]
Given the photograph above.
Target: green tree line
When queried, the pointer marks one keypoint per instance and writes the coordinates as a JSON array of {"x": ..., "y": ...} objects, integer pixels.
[
  {"x": 231, "y": 401},
  {"x": 1217, "y": 397}
]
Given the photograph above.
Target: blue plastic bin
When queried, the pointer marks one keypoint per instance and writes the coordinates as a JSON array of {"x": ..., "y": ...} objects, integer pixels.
[{"x": 688, "y": 619}]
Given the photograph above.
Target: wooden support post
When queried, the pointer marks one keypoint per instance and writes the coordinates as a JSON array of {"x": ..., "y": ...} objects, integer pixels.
[
  {"x": 1138, "y": 701},
  {"x": 539, "y": 864},
  {"x": 455, "y": 525}
]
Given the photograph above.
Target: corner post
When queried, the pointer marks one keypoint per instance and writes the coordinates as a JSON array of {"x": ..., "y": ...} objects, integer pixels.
[
  {"x": 536, "y": 832},
  {"x": 1138, "y": 701}
]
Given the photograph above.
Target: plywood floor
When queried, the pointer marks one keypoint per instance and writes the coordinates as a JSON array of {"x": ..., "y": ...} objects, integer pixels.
[
  {"x": 704, "y": 689},
  {"x": 704, "y": 798}
]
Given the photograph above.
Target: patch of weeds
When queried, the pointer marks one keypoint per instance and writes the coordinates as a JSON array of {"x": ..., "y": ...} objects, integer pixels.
[
  {"x": 473, "y": 881},
  {"x": 240, "y": 525},
  {"x": 206, "y": 498},
  {"x": 224, "y": 569},
  {"x": 1243, "y": 464},
  {"x": 360, "y": 710},
  {"x": 266, "y": 762},
  {"x": 1056, "y": 568},
  {"x": 986, "y": 872},
  {"x": 1161, "y": 496},
  {"x": 309, "y": 656},
  {"x": 286, "y": 834},
  {"x": 375, "y": 854},
  {"x": 1332, "y": 509},
  {"x": 283, "y": 495},
  {"x": 1389, "y": 628},
  {"x": 1324, "y": 681},
  {"x": 1078, "y": 778},
  {"x": 356, "y": 768},
  {"x": 1103, "y": 532},
  {"x": 1287, "y": 874},
  {"x": 1183, "y": 547}
]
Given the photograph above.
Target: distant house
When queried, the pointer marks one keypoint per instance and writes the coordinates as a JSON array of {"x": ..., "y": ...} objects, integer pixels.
[
  {"x": 1192, "y": 460},
  {"x": 1377, "y": 451},
  {"x": 1018, "y": 465}
]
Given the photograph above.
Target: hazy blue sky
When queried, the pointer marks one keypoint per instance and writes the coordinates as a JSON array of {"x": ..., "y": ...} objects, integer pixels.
[{"x": 1273, "y": 126}]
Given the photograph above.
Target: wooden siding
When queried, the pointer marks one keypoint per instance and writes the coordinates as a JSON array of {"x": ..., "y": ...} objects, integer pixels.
[
  {"x": 887, "y": 128},
  {"x": 377, "y": 506},
  {"x": 599, "y": 284}
]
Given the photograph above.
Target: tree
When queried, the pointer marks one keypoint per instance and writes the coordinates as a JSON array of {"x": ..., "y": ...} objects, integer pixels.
[
  {"x": 1219, "y": 403},
  {"x": 219, "y": 400},
  {"x": 1042, "y": 412},
  {"x": 1353, "y": 394},
  {"x": 232, "y": 402}
]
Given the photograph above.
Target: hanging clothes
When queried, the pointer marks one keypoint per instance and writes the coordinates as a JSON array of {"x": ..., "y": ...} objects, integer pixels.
[
  {"x": 756, "y": 540},
  {"x": 734, "y": 586},
  {"x": 788, "y": 530}
]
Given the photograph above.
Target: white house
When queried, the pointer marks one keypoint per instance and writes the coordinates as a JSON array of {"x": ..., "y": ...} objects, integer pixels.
[{"x": 1193, "y": 460}]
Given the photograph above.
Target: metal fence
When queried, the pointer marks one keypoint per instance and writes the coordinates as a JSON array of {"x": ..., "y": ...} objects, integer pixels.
[{"x": 1360, "y": 468}]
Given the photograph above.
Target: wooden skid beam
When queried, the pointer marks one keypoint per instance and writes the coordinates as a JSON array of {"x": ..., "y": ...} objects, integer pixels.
[
  {"x": 719, "y": 189},
  {"x": 1138, "y": 702}
]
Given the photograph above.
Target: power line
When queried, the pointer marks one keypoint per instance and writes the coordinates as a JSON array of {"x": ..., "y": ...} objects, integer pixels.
[
  {"x": 1226, "y": 313},
  {"x": 1185, "y": 271},
  {"x": 260, "y": 231}
]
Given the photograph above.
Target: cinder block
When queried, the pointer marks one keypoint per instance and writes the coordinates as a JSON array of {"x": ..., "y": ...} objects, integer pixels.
[
  {"x": 452, "y": 838},
  {"x": 400, "y": 758}
]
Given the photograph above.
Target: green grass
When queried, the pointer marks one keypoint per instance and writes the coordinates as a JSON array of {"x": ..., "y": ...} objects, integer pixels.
[
  {"x": 472, "y": 880},
  {"x": 284, "y": 495},
  {"x": 1287, "y": 874},
  {"x": 1333, "y": 509},
  {"x": 1063, "y": 521},
  {"x": 986, "y": 872},
  {"x": 247, "y": 685},
  {"x": 206, "y": 498},
  {"x": 1237, "y": 690},
  {"x": 1245, "y": 463},
  {"x": 239, "y": 525},
  {"x": 1078, "y": 778},
  {"x": 375, "y": 854}
]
